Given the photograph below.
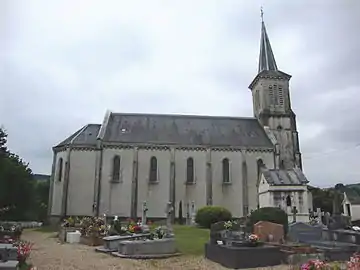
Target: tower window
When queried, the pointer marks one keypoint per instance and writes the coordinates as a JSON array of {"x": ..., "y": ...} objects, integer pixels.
[
  {"x": 226, "y": 170},
  {"x": 281, "y": 95},
  {"x": 190, "y": 170},
  {"x": 60, "y": 170},
  {"x": 116, "y": 169},
  {"x": 153, "y": 170}
]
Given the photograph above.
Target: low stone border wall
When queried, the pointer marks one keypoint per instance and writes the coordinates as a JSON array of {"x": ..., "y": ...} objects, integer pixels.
[
  {"x": 23, "y": 224},
  {"x": 91, "y": 241}
]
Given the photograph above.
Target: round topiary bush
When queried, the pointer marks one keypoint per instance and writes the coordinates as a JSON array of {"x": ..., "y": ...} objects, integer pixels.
[
  {"x": 271, "y": 214},
  {"x": 208, "y": 215}
]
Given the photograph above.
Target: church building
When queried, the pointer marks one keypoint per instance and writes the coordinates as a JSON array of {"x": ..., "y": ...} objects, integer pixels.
[{"x": 240, "y": 163}]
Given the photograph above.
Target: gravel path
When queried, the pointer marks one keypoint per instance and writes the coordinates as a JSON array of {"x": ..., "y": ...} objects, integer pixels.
[{"x": 48, "y": 254}]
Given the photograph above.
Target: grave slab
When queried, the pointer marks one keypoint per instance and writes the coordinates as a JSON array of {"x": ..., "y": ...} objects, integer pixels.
[
  {"x": 111, "y": 243},
  {"x": 8, "y": 252},
  {"x": 9, "y": 265}
]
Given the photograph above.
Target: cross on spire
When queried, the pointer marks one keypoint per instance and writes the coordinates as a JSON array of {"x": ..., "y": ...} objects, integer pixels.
[{"x": 266, "y": 58}]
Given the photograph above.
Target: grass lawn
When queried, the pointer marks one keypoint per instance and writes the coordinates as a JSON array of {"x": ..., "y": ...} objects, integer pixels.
[{"x": 191, "y": 240}]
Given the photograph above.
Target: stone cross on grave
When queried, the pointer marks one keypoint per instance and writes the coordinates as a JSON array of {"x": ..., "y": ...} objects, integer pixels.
[
  {"x": 294, "y": 212},
  {"x": 193, "y": 213},
  {"x": 188, "y": 220},
  {"x": 169, "y": 211},
  {"x": 143, "y": 216}
]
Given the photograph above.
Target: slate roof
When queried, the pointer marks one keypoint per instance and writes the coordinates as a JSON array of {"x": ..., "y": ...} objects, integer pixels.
[
  {"x": 185, "y": 130},
  {"x": 284, "y": 177},
  {"x": 85, "y": 136}
]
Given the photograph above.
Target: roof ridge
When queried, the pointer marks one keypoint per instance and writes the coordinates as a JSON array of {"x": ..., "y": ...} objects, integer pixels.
[{"x": 185, "y": 115}]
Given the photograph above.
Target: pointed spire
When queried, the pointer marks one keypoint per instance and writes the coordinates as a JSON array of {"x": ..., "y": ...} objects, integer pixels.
[{"x": 266, "y": 58}]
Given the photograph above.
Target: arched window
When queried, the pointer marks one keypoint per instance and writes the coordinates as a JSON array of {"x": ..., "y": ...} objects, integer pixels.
[
  {"x": 153, "y": 170},
  {"x": 190, "y": 170},
  {"x": 245, "y": 189},
  {"x": 260, "y": 164},
  {"x": 288, "y": 200},
  {"x": 60, "y": 170},
  {"x": 116, "y": 169},
  {"x": 226, "y": 170}
]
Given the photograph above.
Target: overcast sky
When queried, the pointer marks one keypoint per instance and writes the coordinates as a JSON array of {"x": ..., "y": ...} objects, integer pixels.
[{"x": 64, "y": 63}]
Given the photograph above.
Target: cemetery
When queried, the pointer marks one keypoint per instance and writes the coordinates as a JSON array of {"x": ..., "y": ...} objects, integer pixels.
[
  {"x": 249, "y": 242},
  {"x": 234, "y": 244}
]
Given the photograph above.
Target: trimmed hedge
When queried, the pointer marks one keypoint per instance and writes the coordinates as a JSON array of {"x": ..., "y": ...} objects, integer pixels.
[
  {"x": 208, "y": 215},
  {"x": 271, "y": 214}
]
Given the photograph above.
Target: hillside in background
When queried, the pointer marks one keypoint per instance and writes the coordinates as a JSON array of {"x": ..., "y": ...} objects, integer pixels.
[
  {"x": 330, "y": 199},
  {"x": 41, "y": 177}
]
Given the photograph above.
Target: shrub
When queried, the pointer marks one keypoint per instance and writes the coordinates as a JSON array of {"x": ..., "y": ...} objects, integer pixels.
[
  {"x": 271, "y": 214},
  {"x": 208, "y": 215}
]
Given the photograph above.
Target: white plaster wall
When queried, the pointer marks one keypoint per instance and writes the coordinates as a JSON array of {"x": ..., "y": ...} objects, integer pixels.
[
  {"x": 190, "y": 192},
  {"x": 156, "y": 195},
  {"x": 227, "y": 195},
  {"x": 58, "y": 186},
  {"x": 310, "y": 200},
  {"x": 81, "y": 183},
  {"x": 355, "y": 212},
  {"x": 265, "y": 200},
  {"x": 115, "y": 198}
]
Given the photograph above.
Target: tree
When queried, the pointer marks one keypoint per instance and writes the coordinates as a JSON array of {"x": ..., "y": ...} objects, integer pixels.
[{"x": 15, "y": 183}]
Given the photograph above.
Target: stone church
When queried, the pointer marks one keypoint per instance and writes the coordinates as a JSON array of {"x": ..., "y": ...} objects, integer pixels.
[{"x": 240, "y": 163}]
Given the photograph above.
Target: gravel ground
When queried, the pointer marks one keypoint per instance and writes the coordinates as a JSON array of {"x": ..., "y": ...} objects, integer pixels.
[{"x": 48, "y": 254}]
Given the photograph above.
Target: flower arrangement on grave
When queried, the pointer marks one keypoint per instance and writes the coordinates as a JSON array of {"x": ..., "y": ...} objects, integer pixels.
[
  {"x": 315, "y": 265},
  {"x": 23, "y": 252},
  {"x": 228, "y": 225},
  {"x": 71, "y": 222},
  {"x": 253, "y": 238},
  {"x": 354, "y": 263},
  {"x": 118, "y": 227},
  {"x": 158, "y": 233},
  {"x": 93, "y": 226}
]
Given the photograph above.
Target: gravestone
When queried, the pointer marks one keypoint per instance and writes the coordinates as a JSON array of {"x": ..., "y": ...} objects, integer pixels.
[
  {"x": 230, "y": 248},
  {"x": 269, "y": 231},
  {"x": 337, "y": 222},
  {"x": 169, "y": 229},
  {"x": 145, "y": 228},
  {"x": 144, "y": 211},
  {"x": 305, "y": 233}
]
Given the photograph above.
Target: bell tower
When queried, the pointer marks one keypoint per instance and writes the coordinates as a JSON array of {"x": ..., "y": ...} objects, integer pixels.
[{"x": 272, "y": 105}]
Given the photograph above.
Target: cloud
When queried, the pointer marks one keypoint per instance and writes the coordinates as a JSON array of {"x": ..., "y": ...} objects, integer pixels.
[{"x": 64, "y": 63}]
